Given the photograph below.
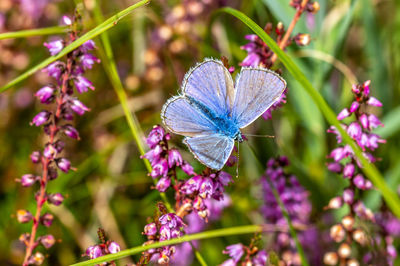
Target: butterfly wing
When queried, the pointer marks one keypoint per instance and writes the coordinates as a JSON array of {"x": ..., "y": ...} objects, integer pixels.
[
  {"x": 212, "y": 150},
  {"x": 182, "y": 118},
  {"x": 210, "y": 83},
  {"x": 256, "y": 90}
]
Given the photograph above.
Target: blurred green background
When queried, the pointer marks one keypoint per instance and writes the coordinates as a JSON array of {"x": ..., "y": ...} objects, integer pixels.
[{"x": 351, "y": 40}]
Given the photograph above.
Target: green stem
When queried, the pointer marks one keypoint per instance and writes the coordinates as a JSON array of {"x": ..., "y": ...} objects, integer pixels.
[
  {"x": 246, "y": 229},
  {"x": 369, "y": 169},
  {"x": 112, "y": 72},
  {"x": 33, "y": 32},
  {"x": 109, "y": 23}
]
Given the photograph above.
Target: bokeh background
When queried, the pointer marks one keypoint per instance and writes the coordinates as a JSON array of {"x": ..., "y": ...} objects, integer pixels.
[{"x": 154, "y": 47}]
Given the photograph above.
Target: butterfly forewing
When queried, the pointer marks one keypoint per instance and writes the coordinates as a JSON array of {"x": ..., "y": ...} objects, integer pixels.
[
  {"x": 256, "y": 90},
  {"x": 210, "y": 83},
  {"x": 213, "y": 150}
]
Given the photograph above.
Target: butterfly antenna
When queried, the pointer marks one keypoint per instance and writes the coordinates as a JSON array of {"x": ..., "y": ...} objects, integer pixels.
[
  {"x": 261, "y": 136},
  {"x": 237, "y": 164}
]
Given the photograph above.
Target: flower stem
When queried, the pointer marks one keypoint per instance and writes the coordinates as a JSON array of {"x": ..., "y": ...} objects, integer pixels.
[
  {"x": 283, "y": 43},
  {"x": 33, "y": 32}
]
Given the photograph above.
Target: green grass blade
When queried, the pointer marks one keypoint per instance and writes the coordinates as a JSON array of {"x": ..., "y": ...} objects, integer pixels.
[
  {"x": 112, "y": 72},
  {"x": 369, "y": 169},
  {"x": 106, "y": 25},
  {"x": 33, "y": 32},
  {"x": 239, "y": 230}
]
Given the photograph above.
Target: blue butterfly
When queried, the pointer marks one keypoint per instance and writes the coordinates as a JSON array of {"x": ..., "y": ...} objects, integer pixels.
[{"x": 211, "y": 110}]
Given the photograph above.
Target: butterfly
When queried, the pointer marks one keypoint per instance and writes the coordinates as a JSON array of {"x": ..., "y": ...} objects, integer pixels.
[{"x": 211, "y": 109}]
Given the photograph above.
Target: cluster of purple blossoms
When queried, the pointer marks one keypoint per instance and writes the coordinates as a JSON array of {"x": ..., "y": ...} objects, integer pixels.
[
  {"x": 164, "y": 161},
  {"x": 166, "y": 227},
  {"x": 242, "y": 255},
  {"x": 104, "y": 248},
  {"x": 196, "y": 191},
  {"x": 63, "y": 104},
  {"x": 349, "y": 233},
  {"x": 295, "y": 200}
]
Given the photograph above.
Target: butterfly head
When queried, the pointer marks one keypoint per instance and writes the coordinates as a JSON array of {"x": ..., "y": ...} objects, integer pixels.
[{"x": 239, "y": 137}]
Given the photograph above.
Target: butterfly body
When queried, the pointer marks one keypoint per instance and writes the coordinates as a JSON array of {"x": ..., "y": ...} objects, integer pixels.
[
  {"x": 211, "y": 109},
  {"x": 223, "y": 124}
]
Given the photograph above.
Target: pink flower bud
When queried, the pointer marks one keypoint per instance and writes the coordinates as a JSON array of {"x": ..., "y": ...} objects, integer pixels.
[
  {"x": 354, "y": 106},
  {"x": 28, "y": 180},
  {"x": 374, "y": 102},
  {"x": 24, "y": 216},
  {"x": 71, "y": 132},
  {"x": 35, "y": 157},
  {"x": 64, "y": 164},
  {"x": 354, "y": 130},
  {"x": 163, "y": 184},
  {"x": 49, "y": 152},
  {"x": 78, "y": 107},
  {"x": 45, "y": 94},
  {"x": 55, "y": 199},
  {"x": 47, "y": 241},
  {"x": 54, "y": 47},
  {"x": 343, "y": 114},
  {"x": 66, "y": 20},
  {"x": 47, "y": 219},
  {"x": 40, "y": 118},
  {"x": 348, "y": 196},
  {"x": 364, "y": 121},
  {"x": 113, "y": 247}
]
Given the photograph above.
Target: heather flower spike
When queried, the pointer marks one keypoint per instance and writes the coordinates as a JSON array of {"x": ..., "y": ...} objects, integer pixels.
[{"x": 60, "y": 94}]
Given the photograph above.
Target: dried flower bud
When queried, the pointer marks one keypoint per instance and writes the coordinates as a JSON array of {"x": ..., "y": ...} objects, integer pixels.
[
  {"x": 55, "y": 198},
  {"x": 47, "y": 219},
  {"x": 52, "y": 173},
  {"x": 24, "y": 216},
  {"x": 348, "y": 222},
  {"x": 359, "y": 236},
  {"x": 24, "y": 238},
  {"x": 302, "y": 39},
  {"x": 47, "y": 241},
  {"x": 331, "y": 258},
  {"x": 313, "y": 7},
  {"x": 344, "y": 251},
  {"x": 337, "y": 233}
]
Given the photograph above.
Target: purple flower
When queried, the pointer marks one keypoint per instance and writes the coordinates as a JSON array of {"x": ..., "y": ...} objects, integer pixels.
[
  {"x": 163, "y": 184},
  {"x": 171, "y": 220},
  {"x": 66, "y": 20},
  {"x": 156, "y": 135},
  {"x": 88, "y": 45},
  {"x": 55, "y": 198},
  {"x": 63, "y": 164},
  {"x": 113, "y": 247},
  {"x": 71, "y": 132},
  {"x": 348, "y": 170},
  {"x": 374, "y": 102},
  {"x": 354, "y": 130},
  {"x": 55, "y": 46},
  {"x": 374, "y": 121},
  {"x": 354, "y": 106},
  {"x": 49, "y": 152},
  {"x": 187, "y": 168},
  {"x": 348, "y": 196},
  {"x": 160, "y": 168},
  {"x": 88, "y": 60},
  {"x": 28, "y": 180},
  {"x": 343, "y": 114},
  {"x": 82, "y": 84},
  {"x": 235, "y": 251},
  {"x": 174, "y": 158},
  {"x": 335, "y": 167},
  {"x": 229, "y": 262},
  {"x": 78, "y": 107},
  {"x": 40, "y": 118},
  {"x": 364, "y": 121},
  {"x": 47, "y": 241},
  {"x": 35, "y": 157},
  {"x": 206, "y": 188},
  {"x": 94, "y": 252},
  {"x": 45, "y": 94},
  {"x": 55, "y": 69},
  {"x": 150, "y": 229}
]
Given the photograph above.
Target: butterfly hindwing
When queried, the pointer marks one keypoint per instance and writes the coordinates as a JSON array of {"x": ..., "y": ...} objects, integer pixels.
[
  {"x": 211, "y": 84},
  {"x": 256, "y": 90},
  {"x": 182, "y": 118},
  {"x": 211, "y": 150}
]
